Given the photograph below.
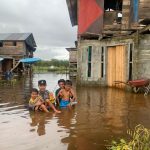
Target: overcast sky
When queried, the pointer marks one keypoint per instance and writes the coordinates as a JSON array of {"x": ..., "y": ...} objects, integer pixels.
[{"x": 48, "y": 20}]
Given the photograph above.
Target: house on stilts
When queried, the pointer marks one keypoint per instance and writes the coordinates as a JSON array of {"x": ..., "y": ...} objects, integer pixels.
[
  {"x": 13, "y": 47},
  {"x": 113, "y": 40}
]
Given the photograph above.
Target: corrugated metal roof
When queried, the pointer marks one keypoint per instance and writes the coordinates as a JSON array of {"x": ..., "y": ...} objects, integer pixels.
[{"x": 14, "y": 36}]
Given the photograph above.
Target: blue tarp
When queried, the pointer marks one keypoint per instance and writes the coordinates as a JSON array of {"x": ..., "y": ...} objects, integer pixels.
[{"x": 30, "y": 60}]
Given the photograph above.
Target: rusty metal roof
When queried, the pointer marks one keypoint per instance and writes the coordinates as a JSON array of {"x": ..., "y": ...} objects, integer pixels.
[{"x": 27, "y": 37}]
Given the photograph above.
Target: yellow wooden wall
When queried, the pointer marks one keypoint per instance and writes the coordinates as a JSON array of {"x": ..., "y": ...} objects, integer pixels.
[{"x": 116, "y": 66}]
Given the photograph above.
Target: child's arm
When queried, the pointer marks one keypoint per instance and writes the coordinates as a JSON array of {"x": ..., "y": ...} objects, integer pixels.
[
  {"x": 40, "y": 99},
  {"x": 73, "y": 95},
  {"x": 59, "y": 95}
]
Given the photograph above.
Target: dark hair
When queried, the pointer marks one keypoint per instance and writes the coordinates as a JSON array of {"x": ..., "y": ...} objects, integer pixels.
[
  {"x": 68, "y": 82},
  {"x": 34, "y": 90},
  {"x": 42, "y": 82},
  {"x": 61, "y": 80}
]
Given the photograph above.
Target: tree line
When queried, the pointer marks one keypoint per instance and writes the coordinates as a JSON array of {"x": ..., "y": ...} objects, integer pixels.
[{"x": 53, "y": 62}]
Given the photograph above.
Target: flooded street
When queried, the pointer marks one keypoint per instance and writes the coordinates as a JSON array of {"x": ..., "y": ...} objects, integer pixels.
[{"x": 102, "y": 114}]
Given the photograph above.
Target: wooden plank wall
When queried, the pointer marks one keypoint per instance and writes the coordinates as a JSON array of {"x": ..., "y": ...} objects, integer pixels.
[
  {"x": 144, "y": 9},
  {"x": 111, "y": 65},
  {"x": 9, "y": 49},
  {"x": 126, "y": 14},
  {"x": 73, "y": 56},
  {"x": 116, "y": 69}
]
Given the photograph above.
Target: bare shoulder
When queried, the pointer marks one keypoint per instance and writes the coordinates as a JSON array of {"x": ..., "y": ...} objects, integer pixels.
[{"x": 61, "y": 91}]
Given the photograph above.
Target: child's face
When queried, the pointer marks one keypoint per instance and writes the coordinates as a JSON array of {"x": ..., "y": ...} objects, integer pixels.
[
  {"x": 34, "y": 95},
  {"x": 42, "y": 87},
  {"x": 61, "y": 85},
  {"x": 67, "y": 87}
]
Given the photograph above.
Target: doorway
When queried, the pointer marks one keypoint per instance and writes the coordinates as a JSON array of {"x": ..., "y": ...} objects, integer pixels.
[{"x": 116, "y": 65}]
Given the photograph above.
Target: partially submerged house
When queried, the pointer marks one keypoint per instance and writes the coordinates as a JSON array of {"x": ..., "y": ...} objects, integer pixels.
[
  {"x": 113, "y": 40},
  {"x": 13, "y": 47},
  {"x": 72, "y": 62}
]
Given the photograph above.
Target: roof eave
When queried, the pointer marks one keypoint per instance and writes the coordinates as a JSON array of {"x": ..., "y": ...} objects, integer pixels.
[{"x": 72, "y": 8}]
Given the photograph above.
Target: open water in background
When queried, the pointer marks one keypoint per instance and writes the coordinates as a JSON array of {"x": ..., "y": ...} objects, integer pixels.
[{"x": 102, "y": 114}]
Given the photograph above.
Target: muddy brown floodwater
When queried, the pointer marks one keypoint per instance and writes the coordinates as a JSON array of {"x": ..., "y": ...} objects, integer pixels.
[{"x": 102, "y": 114}]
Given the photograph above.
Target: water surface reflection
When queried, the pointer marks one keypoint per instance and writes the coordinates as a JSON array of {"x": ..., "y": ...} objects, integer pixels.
[{"x": 101, "y": 115}]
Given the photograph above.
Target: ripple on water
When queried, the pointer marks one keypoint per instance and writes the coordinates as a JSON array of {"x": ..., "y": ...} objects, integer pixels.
[{"x": 101, "y": 115}]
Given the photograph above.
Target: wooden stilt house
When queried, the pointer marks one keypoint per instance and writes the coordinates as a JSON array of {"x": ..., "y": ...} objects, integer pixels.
[{"x": 13, "y": 47}]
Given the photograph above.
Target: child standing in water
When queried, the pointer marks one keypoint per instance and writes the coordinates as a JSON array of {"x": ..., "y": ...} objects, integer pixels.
[
  {"x": 46, "y": 95},
  {"x": 67, "y": 95},
  {"x": 61, "y": 84},
  {"x": 36, "y": 102}
]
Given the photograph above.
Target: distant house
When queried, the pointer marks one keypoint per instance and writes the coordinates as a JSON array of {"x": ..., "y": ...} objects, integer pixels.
[
  {"x": 13, "y": 47},
  {"x": 113, "y": 40},
  {"x": 72, "y": 61}
]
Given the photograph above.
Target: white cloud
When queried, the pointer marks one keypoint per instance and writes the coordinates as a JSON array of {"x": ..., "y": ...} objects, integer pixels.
[
  {"x": 49, "y": 53},
  {"x": 48, "y": 20}
]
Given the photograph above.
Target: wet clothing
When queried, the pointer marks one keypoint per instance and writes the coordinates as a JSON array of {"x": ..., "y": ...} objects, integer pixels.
[
  {"x": 32, "y": 103},
  {"x": 52, "y": 98},
  {"x": 47, "y": 95},
  {"x": 64, "y": 103},
  {"x": 44, "y": 95}
]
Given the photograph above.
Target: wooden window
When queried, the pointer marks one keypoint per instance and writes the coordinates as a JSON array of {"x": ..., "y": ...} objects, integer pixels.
[
  {"x": 102, "y": 62},
  {"x": 1, "y": 44},
  {"x": 89, "y": 60},
  {"x": 15, "y": 43},
  {"x": 116, "y": 5},
  {"x": 130, "y": 61}
]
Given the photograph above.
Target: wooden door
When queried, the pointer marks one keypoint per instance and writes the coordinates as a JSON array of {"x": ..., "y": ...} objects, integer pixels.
[{"x": 116, "y": 68}]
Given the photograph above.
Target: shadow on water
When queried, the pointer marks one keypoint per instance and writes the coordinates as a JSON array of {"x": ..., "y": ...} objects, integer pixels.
[{"x": 101, "y": 115}]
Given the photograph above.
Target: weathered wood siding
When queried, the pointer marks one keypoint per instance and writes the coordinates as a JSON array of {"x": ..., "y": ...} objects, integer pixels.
[
  {"x": 110, "y": 21},
  {"x": 142, "y": 65},
  {"x": 126, "y": 14},
  {"x": 9, "y": 49},
  {"x": 72, "y": 56},
  {"x": 0, "y": 67},
  {"x": 144, "y": 9}
]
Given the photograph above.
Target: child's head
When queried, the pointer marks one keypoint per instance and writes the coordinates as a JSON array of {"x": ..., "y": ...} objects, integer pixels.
[
  {"x": 34, "y": 93},
  {"x": 68, "y": 85},
  {"x": 42, "y": 85},
  {"x": 61, "y": 83}
]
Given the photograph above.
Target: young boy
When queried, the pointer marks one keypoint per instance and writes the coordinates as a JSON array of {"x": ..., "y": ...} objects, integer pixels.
[
  {"x": 36, "y": 102},
  {"x": 61, "y": 84},
  {"x": 67, "y": 95},
  {"x": 46, "y": 95}
]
